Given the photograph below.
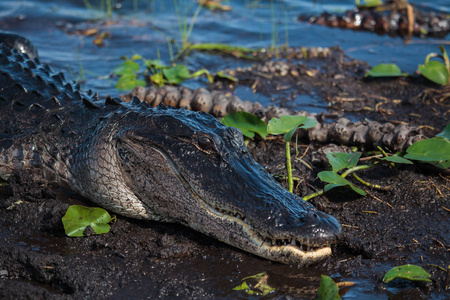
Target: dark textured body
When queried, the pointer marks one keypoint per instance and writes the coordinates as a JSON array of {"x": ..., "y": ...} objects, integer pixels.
[{"x": 160, "y": 164}]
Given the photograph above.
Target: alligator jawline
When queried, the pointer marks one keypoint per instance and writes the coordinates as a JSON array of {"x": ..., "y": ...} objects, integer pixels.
[{"x": 304, "y": 251}]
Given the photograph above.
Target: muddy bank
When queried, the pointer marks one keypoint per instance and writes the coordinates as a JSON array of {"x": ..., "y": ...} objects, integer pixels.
[{"x": 137, "y": 259}]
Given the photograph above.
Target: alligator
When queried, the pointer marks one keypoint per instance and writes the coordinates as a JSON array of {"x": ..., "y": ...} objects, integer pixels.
[{"x": 162, "y": 164}]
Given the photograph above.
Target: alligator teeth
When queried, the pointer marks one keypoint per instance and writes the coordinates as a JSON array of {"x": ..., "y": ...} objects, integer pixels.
[{"x": 293, "y": 242}]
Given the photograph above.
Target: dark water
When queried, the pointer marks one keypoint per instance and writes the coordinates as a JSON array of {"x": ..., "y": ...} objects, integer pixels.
[{"x": 146, "y": 27}]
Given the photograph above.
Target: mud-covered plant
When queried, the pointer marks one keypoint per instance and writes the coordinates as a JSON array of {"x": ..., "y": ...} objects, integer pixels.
[
  {"x": 257, "y": 285},
  {"x": 287, "y": 125},
  {"x": 79, "y": 218},
  {"x": 436, "y": 71}
]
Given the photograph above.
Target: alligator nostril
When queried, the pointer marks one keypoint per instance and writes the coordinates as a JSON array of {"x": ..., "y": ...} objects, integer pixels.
[{"x": 314, "y": 216}]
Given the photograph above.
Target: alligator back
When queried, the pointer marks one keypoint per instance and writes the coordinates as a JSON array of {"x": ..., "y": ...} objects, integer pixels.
[{"x": 41, "y": 116}]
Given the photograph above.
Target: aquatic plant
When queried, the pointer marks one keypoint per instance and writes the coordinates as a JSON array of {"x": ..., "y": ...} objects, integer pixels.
[
  {"x": 288, "y": 125},
  {"x": 435, "y": 70},
  {"x": 78, "y": 218}
]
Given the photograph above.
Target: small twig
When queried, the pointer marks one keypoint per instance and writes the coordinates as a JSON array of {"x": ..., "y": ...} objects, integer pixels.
[
  {"x": 378, "y": 199},
  {"x": 351, "y": 226}
]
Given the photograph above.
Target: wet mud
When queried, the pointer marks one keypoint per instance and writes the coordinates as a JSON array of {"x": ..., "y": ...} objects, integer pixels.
[{"x": 140, "y": 259}]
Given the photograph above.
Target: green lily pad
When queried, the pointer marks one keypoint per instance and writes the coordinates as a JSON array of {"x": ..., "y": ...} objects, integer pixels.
[
  {"x": 435, "y": 71},
  {"x": 335, "y": 180},
  {"x": 248, "y": 123},
  {"x": 408, "y": 272},
  {"x": 340, "y": 161},
  {"x": 385, "y": 70},
  {"x": 78, "y": 218},
  {"x": 328, "y": 289},
  {"x": 287, "y": 125},
  {"x": 177, "y": 74}
]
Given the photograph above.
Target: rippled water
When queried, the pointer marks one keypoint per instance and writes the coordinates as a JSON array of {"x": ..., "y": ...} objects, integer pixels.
[{"x": 145, "y": 27}]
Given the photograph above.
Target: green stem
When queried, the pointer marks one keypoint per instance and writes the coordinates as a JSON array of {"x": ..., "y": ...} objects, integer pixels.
[
  {"x": 310, "y": 196},
  {"x": 357, "y": 168},
  {"x": 289, "y": 168}
]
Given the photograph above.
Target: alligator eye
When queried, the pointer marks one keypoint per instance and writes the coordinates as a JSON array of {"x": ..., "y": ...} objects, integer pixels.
[{"x": 205, "y": 143}]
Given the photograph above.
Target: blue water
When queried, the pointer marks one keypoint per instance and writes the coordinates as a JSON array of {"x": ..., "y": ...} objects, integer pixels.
[{"x": 146, "y": 27}]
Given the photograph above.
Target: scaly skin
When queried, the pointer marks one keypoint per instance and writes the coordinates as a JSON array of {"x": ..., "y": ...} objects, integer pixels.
[{"x": 161, "y": 164}]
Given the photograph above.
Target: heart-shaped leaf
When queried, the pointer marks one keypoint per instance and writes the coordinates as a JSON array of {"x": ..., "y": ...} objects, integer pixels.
[
  {"x": 248, "y": 123},
  {"x": 335, "y": 180},
  {"x": 78, "y": 218},
  {"x": 287, "y": 125},
  {"x": 340, "y": 161},
  {"x": 435, "y": 71},
  {"x": 435, "y": 149},
  {"x": 328, "y": 289},
  {"x": 177, "y": 74}
]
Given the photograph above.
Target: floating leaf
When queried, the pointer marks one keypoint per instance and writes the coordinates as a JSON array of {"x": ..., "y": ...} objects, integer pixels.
[
  {"x": 397, "y": 159},
  {"x": 385, "y": 70},
  {"x": 435, "y": 71},
  {"x": 339, "y": 161},
  {"x": 287, "y": 125},
  {"x": 335, "y": 180},
  {"x": 248, "y": 123},
  {"x": 328, "y": 289},
  {"x": 177, "y": 74},
  {"x": 408, "y": 272},
  {"x": 445, "y": 133},
  {"x": 78, "y": 218}
]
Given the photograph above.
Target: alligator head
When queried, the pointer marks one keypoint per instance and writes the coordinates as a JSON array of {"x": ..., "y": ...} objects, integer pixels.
[{"x": 188, "y": 168}]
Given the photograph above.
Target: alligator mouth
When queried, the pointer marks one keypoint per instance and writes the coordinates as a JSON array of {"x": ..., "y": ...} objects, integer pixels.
[{"x": 286, "y": 250}]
